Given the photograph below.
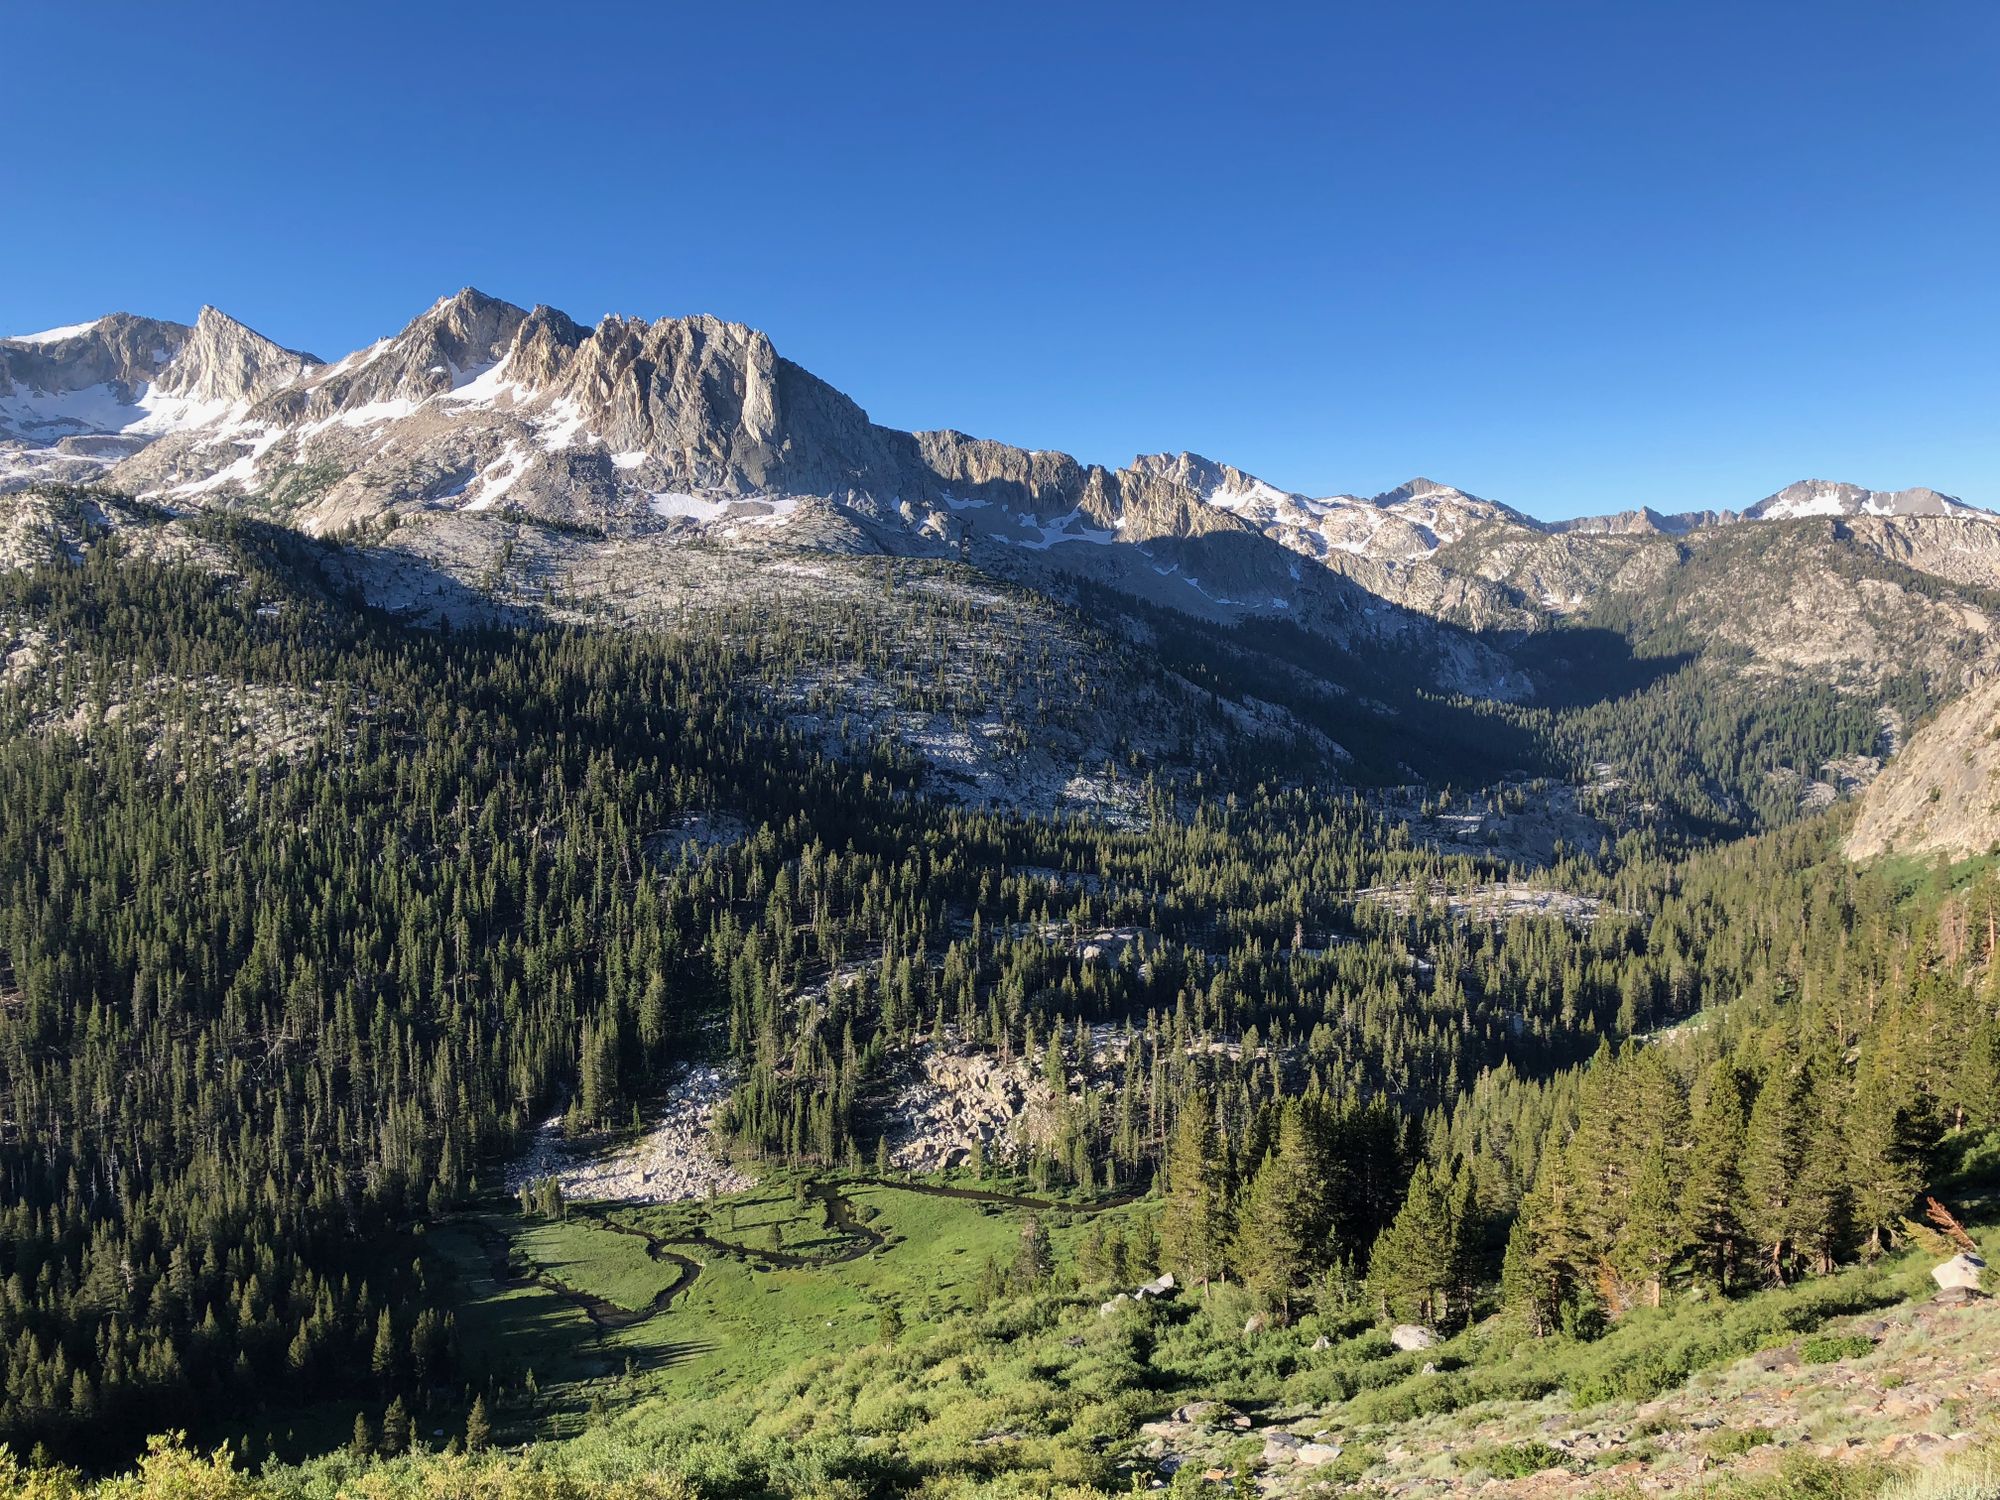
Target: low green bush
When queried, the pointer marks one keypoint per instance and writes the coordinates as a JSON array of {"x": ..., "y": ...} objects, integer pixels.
[
  {"x": 1516, "y": 1460},
  {"x": 1731, "y": 1441},
  {"x": 1830, "y": 1348}
]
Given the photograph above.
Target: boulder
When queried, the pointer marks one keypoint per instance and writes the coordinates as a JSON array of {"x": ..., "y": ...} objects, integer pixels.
[
  {"x": 1408, "y": 1336},
  {"x": 1960, "y": 1271},
  {"x": 1282, "y": 1447},
  {"x": 1321, "y": 1343},
  {"x": 1213, "y": 1413},
  {"x": 1957, "y": 1296},
  {"x": 1257, "y": 1324},
  {"x": 1106, "y": 1309},
  {"x": 1312, "y": 1455}
]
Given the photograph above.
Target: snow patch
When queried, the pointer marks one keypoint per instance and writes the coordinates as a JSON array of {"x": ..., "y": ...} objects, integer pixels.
[
  {"x": 50, "y": 416},
  {"x": 55, "y": 335},
  {"x": 674, "y": 506},
  {"x": 566, "y": 421},
  {"x": 493, "y": 482}
]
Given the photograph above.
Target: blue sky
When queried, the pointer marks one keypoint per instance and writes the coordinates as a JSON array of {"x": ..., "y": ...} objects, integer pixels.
[{"x": 1575, "y": 257}]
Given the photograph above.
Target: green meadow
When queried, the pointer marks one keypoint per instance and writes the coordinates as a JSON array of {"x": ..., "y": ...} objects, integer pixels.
[{"x": 762, "y": 1302}]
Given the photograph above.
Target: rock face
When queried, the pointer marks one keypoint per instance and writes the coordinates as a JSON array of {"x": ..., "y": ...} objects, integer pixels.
[
  {"x": 631, "y": 438},
  {"x": 960, "y": 1103},
  {"x": 674, "y": 1161},
  {"x": 1941, "y": 794}
]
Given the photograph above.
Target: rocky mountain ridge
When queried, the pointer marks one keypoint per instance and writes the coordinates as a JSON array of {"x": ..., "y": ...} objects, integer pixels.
[
  {"x": 77, "y": 400},
  {"x": 629, "y": 442},
  {"x": 694, "y": 423}
]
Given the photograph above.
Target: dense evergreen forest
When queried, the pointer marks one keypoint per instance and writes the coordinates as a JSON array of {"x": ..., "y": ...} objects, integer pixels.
[{"x": 306, "y": 918}]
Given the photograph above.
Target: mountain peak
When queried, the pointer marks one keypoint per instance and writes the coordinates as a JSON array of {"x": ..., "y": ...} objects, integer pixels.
[
  {"x": 1829, "y": 497},
  {"x": 222, "y": 360},
  {"x": 1421, "y": 488}
]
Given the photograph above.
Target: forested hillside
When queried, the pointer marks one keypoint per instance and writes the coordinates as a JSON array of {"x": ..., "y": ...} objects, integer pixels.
[{"x": 311, "y": 918}]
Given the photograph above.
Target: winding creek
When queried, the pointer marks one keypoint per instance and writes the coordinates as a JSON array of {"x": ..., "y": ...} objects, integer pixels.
[{"x": 858, "y": 1238}]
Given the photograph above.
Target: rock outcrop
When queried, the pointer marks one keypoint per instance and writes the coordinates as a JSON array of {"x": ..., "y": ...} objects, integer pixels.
[{"x": 1941, "y": 794}]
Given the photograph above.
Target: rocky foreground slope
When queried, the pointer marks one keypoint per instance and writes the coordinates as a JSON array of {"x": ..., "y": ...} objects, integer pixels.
[{"x": 1916, "y": 1384}]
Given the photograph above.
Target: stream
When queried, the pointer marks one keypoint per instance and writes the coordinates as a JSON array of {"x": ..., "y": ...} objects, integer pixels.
[{"x": 861, "y": 1239}]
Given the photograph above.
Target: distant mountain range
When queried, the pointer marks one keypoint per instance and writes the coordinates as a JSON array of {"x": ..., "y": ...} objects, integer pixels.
[
  {"x": 492, "y": 463},
  {"x": 689, "y": 423},
  {"x": 626, "y": 442}
]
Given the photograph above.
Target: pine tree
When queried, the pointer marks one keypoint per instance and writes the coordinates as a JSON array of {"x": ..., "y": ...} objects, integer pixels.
[
  {"x": 382, "y": 1359},
  {"x": 1773, "y": 1153},
  {"x": 395, "y": 1428},
  {"x": 1195, "y": 1225},
  {"x": 1281, "y": 1237},
  {"x": 889, "y": 1323},
  {"x": 1035, "y": 1261},
  {"x": 478, "y": 1429},
  {"x": 1822, "y": 1206},
  {"x": 1270, "y": 1237},
  {"x": 1882, "y": 1159},
  {"x": 1416, "y": 1261},
  {"x": 1712, "y": 1199},
  {"x": 1653, "y": 1239}
]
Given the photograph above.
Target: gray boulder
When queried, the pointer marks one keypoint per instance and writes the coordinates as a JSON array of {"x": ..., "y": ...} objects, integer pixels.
[
  {"x": 1407, "y": 1336},
  {"x": 1282, "y": 1447}
]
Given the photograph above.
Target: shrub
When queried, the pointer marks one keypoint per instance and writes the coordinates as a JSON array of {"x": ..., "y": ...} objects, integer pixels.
[
  {"x": 1516, "y": 1460},
  {"x": 1731, "y": 1441},
  {"x": 1829, "y": 1348}
]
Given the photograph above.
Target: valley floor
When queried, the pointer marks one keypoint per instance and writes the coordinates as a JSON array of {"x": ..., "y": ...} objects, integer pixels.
[{"x": 759, "y": 1316}]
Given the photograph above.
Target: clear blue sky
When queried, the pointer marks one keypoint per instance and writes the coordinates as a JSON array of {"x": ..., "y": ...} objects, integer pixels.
[{"x": 1574, "y": 257}]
